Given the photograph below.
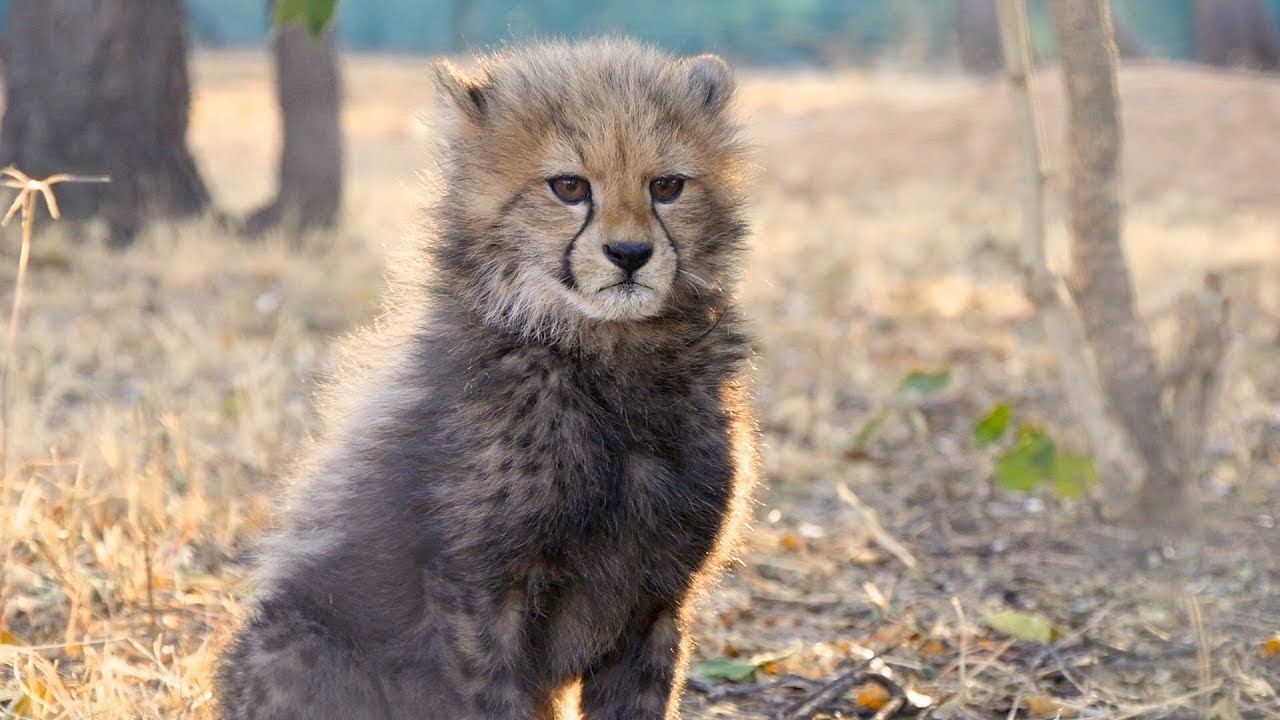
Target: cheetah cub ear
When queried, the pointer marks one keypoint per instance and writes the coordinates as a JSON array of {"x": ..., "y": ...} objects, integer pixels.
[
  {"x": 710, "y": 81},
  {"x": 468, "y": 93}
]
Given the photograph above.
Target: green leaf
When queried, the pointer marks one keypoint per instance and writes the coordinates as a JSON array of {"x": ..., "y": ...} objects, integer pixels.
[
  {"x": 1026, "y": 431},
  {"x": 314, "y": 13},
  {"x": 866, "y": 431},
  {"x": 1027, "y": 627},
  {"x": 721, "y": 669},
  {"x": 735, "y": 669},
  {"x": 1072, "y": 475},
  {"x": 1028, "y": 462},
  {"x": 925, "y": 383},
  {"x": 991, "y": 427}
]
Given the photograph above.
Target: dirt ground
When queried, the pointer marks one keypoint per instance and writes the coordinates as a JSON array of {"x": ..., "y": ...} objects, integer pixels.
[{"x": 159, "y": 392}]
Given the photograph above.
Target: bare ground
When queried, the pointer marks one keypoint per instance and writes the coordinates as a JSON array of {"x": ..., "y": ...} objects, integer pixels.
[{"x": 159, "y": 392}]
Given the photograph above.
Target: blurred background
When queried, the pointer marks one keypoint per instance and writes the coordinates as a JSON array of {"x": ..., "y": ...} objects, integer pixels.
[
  {"x": 762, "y": 31},
  {"x": 934, "y": 500}
]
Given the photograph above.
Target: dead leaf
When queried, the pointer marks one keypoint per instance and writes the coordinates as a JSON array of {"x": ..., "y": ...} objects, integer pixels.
[
  {"x": 1045, "y": 705},
  {"x": 1027, "y": 627},
  {"x": 872, "y": 696},
  {"x": 933, "y": 647},
  {"x": 886, "y": 635},
  {"x": 1271, "y": 648}
]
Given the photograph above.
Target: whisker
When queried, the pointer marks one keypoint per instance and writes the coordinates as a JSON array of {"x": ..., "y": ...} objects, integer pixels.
[{"x": 695, "y": 282}]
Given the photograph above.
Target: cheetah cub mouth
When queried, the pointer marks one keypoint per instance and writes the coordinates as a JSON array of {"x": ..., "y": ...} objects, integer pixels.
[{"x": 616, "y": 192}]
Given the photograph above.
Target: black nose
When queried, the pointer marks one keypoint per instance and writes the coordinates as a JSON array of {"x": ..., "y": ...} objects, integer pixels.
[{"x": 629, "y": 256}]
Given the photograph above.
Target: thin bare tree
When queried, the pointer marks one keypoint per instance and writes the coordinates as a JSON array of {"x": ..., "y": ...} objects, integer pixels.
[
  {"x": 1146, "y": 426},
  {"x": 980, "y": 48}
]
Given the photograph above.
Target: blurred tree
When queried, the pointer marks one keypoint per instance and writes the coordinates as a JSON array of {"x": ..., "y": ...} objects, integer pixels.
[
  {"x": 101, "y": 88},
  {"x": 978, "y": 36},
  {"x": 308, "y": 89},
  {"x": 1236, "y": 33},
  {"x": 1162, "y": 412}
]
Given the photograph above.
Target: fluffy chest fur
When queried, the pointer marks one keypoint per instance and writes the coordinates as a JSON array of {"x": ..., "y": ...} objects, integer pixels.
[
  {"x": 582, "y": 491},
  {"x": 568, "y": 452}
]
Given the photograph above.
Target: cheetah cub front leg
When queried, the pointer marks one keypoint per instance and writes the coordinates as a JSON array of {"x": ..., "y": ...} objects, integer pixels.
[{"x": 642, "y": 678}]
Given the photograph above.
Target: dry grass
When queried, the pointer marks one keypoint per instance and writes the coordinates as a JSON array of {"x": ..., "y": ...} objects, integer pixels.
[{"x": 158, "y": 392}]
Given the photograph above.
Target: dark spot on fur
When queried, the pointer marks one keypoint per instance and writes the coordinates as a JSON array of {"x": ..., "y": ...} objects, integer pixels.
[
  {"x": 500, "y": 497},
  {"x": 307, "y": 656}
]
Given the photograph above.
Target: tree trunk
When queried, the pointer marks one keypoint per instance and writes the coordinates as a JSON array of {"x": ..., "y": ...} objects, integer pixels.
[
  {"x": 100, "y": 88},
  {"x": 978, "y": 38},
  {"x": 1100, "y": 280},
  {"x": 1076, "y": 367},
  {"x": 1236, "y": 33},
  {"x": 309, "y": 92}
]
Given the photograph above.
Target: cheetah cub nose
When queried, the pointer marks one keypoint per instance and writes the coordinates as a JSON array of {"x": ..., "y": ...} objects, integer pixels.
[{"x": 630, "y": 256}]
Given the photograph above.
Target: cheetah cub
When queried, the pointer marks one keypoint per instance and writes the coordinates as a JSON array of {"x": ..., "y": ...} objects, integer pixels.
[{"x": 545, "y": 455}]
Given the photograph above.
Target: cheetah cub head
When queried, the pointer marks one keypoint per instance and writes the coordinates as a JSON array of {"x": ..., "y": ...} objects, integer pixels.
[{"x": 594, "y": 182}]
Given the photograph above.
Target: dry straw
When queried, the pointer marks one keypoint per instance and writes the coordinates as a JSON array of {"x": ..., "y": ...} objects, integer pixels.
[{"x": 29, "y": 189}]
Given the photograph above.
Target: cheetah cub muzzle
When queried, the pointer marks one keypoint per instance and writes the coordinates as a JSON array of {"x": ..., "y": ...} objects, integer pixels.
[{"x": 532, "y": 468}]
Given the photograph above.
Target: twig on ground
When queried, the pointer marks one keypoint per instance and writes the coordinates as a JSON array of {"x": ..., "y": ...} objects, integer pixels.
[
  {"x": 807, "y": 707},
  {"x": 964, "y": 651},
  {"x": 979, "y": 670},
  {"x": 842, "y": 684},
  {"x": 1052, "y": 652},
  {"x": 890, "y": 708},
  {"x": 719, "y": 692},
  {"x": 62, "y": 646},
  {"x": 872, "y": 523},
  {"x": 1017, "y": 700},
  {"x": 1203, "y": 666},
  {"x": 1164, "y": 708}
]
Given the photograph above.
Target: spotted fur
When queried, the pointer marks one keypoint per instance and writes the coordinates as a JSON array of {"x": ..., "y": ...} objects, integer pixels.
[{"x": 540, "y": 459}]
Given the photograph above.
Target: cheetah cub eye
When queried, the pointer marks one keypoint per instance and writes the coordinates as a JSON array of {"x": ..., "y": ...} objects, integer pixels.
[
  {"x": 570, "y": 189},
  {"x": 666, "y": 189}
]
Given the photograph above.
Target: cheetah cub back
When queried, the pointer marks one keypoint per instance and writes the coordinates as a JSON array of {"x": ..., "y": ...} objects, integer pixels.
[{"x": 533, "y": 469}]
